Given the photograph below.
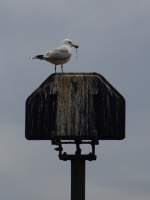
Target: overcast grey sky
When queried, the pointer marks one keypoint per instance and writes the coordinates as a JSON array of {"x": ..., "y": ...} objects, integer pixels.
[{"x": 114, "y": 38}]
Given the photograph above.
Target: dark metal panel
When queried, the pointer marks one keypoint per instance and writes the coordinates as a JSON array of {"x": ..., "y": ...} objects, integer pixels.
[{"x": 75, "y": 106}]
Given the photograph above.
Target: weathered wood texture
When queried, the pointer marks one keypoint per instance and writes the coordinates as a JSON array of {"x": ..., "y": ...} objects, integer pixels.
[{"x": 75, "y": 106}]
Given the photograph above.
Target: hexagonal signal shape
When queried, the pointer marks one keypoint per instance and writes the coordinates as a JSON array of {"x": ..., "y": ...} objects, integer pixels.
[{"x": 72, "y": 106}]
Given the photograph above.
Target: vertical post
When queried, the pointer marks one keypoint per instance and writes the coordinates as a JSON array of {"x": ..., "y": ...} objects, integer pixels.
[{"x": 78, "y": 178}]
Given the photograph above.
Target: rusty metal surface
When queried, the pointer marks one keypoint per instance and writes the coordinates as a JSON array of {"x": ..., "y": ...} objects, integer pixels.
[{"x": 75, "y": 106}]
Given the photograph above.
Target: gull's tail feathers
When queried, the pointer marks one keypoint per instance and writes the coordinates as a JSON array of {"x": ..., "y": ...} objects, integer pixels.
[{"x": 41, "y": 57}]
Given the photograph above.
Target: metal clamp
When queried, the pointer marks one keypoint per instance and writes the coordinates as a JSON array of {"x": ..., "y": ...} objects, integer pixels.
[{"x": 78, "y": 153}]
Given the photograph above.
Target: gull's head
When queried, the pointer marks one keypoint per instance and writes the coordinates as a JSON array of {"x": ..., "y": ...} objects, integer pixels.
[{"x": 70, "y": 43}]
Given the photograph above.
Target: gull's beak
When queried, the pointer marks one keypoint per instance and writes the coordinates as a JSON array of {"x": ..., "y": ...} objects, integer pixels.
[{"x": 75, "y": 45}]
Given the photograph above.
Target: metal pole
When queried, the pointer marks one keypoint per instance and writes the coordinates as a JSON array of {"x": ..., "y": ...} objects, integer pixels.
[{"x": 78, "y": 179}]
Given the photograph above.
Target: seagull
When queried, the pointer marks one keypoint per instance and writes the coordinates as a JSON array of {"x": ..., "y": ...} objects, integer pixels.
[{"x": 60, "y": 55}]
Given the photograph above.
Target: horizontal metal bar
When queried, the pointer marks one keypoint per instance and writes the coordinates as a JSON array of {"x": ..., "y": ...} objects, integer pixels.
[
  {"x": 55, "y": 142},
  {"x": 66, "y": 156}
]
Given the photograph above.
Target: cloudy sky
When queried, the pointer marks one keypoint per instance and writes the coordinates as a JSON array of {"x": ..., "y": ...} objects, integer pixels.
[{"x": 114, "y": 38}]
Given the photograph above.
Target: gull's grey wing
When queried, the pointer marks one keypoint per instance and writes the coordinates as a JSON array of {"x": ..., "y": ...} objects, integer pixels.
[{"x": 59, "y": 53}]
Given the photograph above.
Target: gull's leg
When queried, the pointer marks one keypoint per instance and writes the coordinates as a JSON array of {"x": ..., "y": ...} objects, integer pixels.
[
  {"x": 62, "y": 68},
  {"x": 55, "y": 69}
]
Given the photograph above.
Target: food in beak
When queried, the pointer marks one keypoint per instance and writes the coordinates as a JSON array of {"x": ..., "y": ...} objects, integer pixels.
[{"x": 75, "y": 46}]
